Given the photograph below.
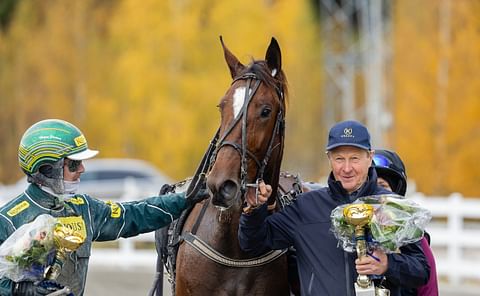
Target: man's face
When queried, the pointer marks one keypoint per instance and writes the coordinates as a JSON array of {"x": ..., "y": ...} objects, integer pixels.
[
  {"x": 72, "y": 169},
  {"x": 350, "y": 166}
]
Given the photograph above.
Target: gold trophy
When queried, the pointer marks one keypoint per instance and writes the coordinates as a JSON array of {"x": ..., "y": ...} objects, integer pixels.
[
  {"x": 359, "y": 215},
  {"x": 66, "y": 240}
]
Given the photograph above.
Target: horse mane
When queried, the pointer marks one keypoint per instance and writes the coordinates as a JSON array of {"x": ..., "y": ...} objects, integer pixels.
[{"x": 261, "y": 70}]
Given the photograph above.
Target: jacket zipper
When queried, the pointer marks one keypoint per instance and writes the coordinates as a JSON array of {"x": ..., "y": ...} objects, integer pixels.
[{"x": 310, "y": 284}]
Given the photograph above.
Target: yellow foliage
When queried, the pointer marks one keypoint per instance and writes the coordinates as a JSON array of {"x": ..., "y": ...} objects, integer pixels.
[
  {"x": 143, "y": 80},
  {"x": 436, "y": 119}
]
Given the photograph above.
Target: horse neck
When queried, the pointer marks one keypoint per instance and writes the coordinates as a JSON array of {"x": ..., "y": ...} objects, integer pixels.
[
  {"x": 220, "y": 229},
  {"x": 222, "y": 226}
]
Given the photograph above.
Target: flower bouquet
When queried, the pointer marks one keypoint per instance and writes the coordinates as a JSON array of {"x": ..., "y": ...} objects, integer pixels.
[
  {"x": 29, "y": 250},
  {"x": 36, "y": 250},
  {"x": 396, "y": 221}
]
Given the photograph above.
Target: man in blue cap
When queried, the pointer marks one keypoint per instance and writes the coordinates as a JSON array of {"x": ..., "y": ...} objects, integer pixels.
[{"x": 324, "y": 268}]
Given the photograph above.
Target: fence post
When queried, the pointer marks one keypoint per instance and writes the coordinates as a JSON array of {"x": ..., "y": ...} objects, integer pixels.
[
  {"x": 455, "y": 229},
  {"x": 127, "y": 246}
]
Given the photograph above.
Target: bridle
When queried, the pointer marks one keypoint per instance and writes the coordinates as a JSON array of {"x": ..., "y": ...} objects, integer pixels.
[
  {"x": 241, "y": 148},
  {"x": 207, "y": 162}
]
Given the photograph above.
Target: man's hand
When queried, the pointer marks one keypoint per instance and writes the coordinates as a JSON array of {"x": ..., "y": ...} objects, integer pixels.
[
  {"x": 256, "y": 198},
  {"x": 376, "y": 263}
]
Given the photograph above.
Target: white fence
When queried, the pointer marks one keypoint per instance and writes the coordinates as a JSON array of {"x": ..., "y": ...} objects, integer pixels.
[
  {"x": 455, "y": 236},
  {"x": 454, "y": 230}
]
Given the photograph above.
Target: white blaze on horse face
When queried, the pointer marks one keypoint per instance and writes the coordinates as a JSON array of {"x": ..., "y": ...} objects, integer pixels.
[{"x": 238, "y": 100}]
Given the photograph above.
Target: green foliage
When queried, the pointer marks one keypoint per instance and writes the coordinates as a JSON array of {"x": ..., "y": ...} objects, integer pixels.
[
  {"x": 37, "y": 254},
  {"x": 7, "y": 8}
]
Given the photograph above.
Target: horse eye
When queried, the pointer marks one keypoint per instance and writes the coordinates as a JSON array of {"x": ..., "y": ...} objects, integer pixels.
[{"x": 266, "y": 112}]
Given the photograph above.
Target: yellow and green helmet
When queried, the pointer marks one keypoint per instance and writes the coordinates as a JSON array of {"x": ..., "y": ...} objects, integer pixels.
[{"x": 50, "y": 140}]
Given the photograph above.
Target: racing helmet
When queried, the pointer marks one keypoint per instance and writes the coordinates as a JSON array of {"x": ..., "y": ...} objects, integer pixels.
[
  {"x": 43, "y": 148},
  {"x": 390, "y": 167}
]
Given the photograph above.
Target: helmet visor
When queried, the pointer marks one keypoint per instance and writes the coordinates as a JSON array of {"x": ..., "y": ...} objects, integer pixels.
[
  {"x": 381, "y": 161},
  {"x": 86, "y": 154}
]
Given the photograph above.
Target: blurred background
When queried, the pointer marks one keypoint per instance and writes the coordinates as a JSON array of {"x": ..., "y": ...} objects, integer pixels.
[{"x": 142, "y": 80}]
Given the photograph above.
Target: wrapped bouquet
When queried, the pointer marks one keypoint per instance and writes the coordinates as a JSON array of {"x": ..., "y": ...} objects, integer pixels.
[
  {"x": 396, "y": 221},
  {"x": 35, "y": 250}
]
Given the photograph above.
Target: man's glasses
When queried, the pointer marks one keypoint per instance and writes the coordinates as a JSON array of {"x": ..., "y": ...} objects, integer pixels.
[
  {"x": 73, "y": 165},
  {"x": 381, "y": 161}
]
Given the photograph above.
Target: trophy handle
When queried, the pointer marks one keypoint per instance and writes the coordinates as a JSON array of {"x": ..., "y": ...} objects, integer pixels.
[{"x": 362, "y": 280}]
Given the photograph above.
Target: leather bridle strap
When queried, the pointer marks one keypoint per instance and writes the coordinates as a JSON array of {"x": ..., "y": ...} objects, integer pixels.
[
  {"x": 199, "y": 177},
  {"x": 246, "y": 102},
  {"x": 207, "y": 251}
]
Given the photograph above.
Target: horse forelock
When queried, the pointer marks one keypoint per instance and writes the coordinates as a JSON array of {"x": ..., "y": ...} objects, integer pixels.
[{"x": 261, "y": 70}]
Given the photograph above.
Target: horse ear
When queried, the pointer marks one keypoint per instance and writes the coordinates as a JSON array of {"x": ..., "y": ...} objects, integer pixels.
[
  {"x": 273, "y": 57},
  {"x": 233, "y": 63}
]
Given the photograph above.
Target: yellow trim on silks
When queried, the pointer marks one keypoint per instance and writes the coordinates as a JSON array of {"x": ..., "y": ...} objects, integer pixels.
[
  {"x": 77, "y": 200},
  {"x": 116, "y": 210},
  {"x": 75, "y": 223},
  {"x": 18, "y": 208},
  {"x": 80, "y": 140}
]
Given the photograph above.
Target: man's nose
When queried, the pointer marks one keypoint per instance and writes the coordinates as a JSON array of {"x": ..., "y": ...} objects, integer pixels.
[
  {"x": 81, "y": 168},
  {"x": 347, "y": 167}
]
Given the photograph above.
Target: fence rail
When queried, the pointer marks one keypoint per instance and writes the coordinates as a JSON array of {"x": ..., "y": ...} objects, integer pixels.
[
  {"x": 454, "y": 230},
  {"x": 455, "y": 236}
]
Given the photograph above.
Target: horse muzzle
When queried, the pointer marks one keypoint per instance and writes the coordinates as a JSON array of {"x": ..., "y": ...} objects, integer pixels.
[{"x": 224, "y": 193}]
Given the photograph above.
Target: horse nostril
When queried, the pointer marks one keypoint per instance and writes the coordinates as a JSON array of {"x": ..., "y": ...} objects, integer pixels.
[{"x": 229, "y": 189}]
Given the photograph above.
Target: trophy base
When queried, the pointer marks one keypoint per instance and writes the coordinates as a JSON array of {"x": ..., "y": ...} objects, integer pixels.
[
  {"x": 369, "y": 291},
  {"x": 380, "y": 291}
]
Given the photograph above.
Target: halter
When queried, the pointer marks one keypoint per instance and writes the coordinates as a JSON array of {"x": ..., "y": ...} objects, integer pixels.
[{"x": 241, "y": 148}]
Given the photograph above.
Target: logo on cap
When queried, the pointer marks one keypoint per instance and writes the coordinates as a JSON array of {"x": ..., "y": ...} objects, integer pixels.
[
  {"x": 347, "y": 133},
  {"x": 80, "y": 140}
]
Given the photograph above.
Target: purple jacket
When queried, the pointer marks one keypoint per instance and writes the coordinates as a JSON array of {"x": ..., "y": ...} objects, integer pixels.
[{"x": 431, "y": 288}]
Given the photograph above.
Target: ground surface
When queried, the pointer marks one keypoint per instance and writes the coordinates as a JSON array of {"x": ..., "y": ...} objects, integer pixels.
[{"x": 137, "y": 282}]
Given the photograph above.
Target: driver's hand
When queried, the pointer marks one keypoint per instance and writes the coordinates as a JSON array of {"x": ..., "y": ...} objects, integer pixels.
[
  {"x": 27, "y": 288},
  {"x": 198, "y": 197}
]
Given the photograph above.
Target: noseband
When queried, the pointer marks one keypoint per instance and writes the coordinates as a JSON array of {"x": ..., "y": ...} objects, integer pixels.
[{"x": 241, "y": 148}]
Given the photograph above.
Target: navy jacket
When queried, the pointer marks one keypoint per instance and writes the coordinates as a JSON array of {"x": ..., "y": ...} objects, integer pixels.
[{"x": 324, "y": 268}]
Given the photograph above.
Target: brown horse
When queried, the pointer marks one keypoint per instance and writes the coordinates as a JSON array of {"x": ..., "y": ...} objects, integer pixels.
[{"x": 249, "y": 147}]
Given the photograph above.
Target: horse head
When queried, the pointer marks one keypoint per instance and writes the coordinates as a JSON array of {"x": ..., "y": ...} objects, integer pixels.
[{"x": 251, "y": 134}]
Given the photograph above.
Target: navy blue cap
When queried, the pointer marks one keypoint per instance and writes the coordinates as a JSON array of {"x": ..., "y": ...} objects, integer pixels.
[{"x": 349, "y": 133}]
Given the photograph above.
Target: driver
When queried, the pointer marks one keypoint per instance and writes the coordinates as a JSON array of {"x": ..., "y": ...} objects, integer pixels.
[
  {"x": 51, "y": 154},
  {"x": 324, "y": 268}
]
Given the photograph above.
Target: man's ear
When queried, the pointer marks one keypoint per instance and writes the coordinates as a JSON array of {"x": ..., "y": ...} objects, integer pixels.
[{"x": 371, "y": 153}]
